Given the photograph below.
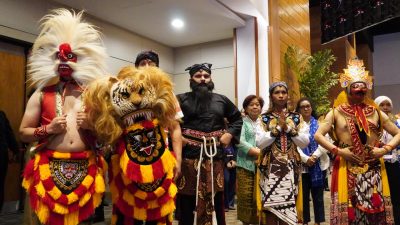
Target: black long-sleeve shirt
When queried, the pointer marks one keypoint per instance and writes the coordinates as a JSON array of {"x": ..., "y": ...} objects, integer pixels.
[
  {"x": 7, "y": 138},
  {"x": 212, "y": 119}
]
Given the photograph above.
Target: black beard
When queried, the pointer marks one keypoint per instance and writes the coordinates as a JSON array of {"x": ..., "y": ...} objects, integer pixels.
[{"x": 202, "y": 94}]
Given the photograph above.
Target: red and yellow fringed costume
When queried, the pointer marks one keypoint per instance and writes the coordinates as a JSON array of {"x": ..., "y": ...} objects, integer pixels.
[
  {"x": 64, "y": 188},
  {"x": 141, "y": 175}
]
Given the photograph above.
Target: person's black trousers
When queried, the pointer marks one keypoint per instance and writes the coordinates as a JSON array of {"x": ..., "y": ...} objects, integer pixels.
[
  {"x": 317, "y": 197},
  {"x": 392, "y": 170}
]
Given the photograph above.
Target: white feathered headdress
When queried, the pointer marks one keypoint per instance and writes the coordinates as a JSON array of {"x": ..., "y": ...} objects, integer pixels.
[{"x": 63, "y": 26}]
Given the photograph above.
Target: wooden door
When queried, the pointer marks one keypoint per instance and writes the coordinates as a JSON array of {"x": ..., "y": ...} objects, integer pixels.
[{"x": 12, "y": 102}]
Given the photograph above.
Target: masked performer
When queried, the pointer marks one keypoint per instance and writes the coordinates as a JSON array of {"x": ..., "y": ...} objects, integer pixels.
[
  {"x": 64, "y": 180},
  {"x": 280, "y": 164},
  {"x": 360, "y": 191},
  {"x": 131, "y": 112}
]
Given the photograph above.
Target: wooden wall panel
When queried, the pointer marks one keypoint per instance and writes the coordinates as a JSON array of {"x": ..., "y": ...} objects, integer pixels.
[
  {"x": 12, "y": 85},
  {"x": 12, "y": 100},
  {"x": 290, "y": 24}
]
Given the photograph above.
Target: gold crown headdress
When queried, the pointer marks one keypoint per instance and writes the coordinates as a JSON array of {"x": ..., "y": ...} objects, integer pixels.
[{"x": 355, "y": 72}]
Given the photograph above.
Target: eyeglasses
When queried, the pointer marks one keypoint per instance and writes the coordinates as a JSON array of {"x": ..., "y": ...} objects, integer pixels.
[
  {"x": 305, "y": 107},
  {"x": 199, "y": 76}
]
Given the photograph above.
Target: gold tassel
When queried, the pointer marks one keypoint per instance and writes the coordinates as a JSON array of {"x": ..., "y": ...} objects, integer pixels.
[
  {"x": 152, "y": 204},
  {"x": 26, "y": 183},
  {"x": 126, "y": 180},
  {"x": 114, "y": 219},
  {"x": 44, "y": 171},
  {"x": 55, "y": 193},
  {"x": 170, "y": 217},
  {"x": 168, "y": 207},
  {"x": 72, "y": 197},
  {"x": 141, "y": 194},
  {"x": 128, "y": 197},
  {"x": 72, "y": 218},
  {"x": 140, "y": 213},
  {"x": 60, "y": 209},
  {"x": 85, "y": 198},
  {"x": 42, "y": 213},
  {"x": 97, "y": 198},
  {"x": 40, "y": 189},
  {"x": 99, "y": 184},
  {"x": 172, "y": 190},
  {"x": 114, "y": 192},
  {"x": 123, "y": 162},
  {"x": 115, "y": 165},
  {"x": 88, "y": 181},
  {"x": 36, "y": 163},
  {"x": 147, "y": 173},
  {"x": 168, "y": 161}
]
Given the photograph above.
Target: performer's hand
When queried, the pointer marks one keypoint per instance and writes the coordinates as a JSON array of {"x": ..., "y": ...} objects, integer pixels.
[
  {"x": 82, "y": 121},
  {"x": 225, "y": 139},
  {"x": 177, "y": 169},
  {"x": 377, "y": 153},
  {"x": 57, "y": 125},
  {"x": 348, "y": 155},
  {"x": 311, "y": 160},
  {"x": 184, "y": 141},
  {"x": 282, "y": 121}
]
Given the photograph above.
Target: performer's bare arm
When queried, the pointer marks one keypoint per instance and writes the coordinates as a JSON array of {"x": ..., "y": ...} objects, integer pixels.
[
  {"x": 176, "y": 136},
  {"x": 392, "y": 129},
  {"x": 31, "y": 122},
  {"x": 319, "y": 136},
  {"x": 324, "y": 127}
]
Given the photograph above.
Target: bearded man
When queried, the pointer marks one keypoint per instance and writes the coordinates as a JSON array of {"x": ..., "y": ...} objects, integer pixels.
[
  {"x": 65, "y": 179},
  {"x": 360, "y": 191},
  {"x": 203, "y": 122}
]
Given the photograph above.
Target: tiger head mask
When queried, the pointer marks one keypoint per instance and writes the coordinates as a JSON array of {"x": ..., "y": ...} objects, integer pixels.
[{"x": 136, "y": 94}]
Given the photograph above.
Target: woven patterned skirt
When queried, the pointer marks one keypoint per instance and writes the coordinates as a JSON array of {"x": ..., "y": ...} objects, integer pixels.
[{"x": 246, "y": 206}]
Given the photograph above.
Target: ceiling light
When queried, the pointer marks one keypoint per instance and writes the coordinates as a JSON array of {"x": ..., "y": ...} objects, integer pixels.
[{"x": 177, "y": 23}]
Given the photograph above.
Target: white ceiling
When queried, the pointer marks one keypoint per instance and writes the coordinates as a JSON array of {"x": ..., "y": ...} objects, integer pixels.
[{"x": 205, "y": 20}]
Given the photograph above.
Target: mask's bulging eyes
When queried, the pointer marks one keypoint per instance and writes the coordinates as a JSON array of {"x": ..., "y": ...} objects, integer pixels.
[
  {"x": 125, "y": 95},
  {"x": 141, "y": 91}
]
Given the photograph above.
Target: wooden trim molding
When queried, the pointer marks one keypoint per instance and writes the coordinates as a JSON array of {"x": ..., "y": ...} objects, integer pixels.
[
  {"x": 256, "y": 59},
  {"x": 235, "y": 64}
]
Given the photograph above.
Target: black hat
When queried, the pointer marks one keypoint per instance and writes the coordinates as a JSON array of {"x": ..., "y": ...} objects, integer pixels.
[
  {"x": 149, "y": 54},
  {"x": 196, "y": 67},
  {"x": 276, "y": 84}
]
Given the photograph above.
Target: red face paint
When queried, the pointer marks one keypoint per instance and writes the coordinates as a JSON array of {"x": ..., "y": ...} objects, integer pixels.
[
  {"x": 65, "y": 55},
  {"x": 358, "y": 91}
]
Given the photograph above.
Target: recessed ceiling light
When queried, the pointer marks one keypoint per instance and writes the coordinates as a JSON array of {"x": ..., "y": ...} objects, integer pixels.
[{"x": 177, "y": 23}]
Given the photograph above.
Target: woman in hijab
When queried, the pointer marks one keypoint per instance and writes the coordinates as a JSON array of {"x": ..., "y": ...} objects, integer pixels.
[{"x": 391, "y": 159}]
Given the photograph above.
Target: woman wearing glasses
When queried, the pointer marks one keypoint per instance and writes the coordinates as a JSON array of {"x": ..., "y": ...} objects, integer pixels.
[{"x": 316, "y": 163}]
